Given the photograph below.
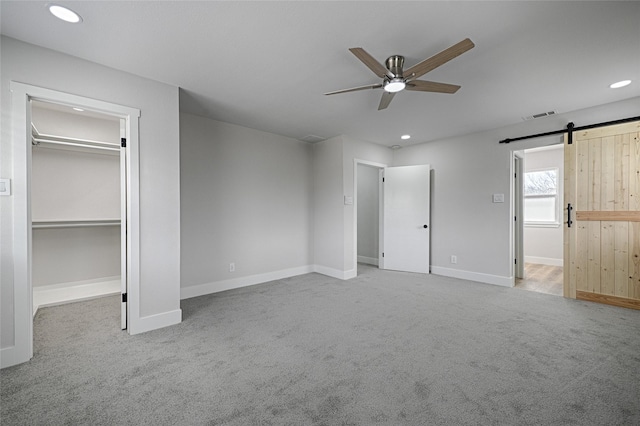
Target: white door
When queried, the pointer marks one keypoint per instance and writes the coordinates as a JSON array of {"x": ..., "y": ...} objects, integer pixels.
[
  {"x": 123, "y": 226},
  {"x": 405, "y": 243}
]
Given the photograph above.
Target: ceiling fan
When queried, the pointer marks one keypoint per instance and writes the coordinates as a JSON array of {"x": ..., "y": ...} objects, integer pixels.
[{"x": 396, "y": 79}]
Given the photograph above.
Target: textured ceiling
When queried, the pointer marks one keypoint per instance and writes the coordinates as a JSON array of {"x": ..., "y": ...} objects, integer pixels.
[{"x": 266, "y": 65}]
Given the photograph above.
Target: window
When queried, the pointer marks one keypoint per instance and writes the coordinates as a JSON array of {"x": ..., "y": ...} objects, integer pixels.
[{"x": 541, "y": 197}]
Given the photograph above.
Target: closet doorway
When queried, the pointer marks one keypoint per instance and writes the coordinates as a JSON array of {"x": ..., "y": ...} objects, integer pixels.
[
  {"x": 368, "y": 206},
  {"x": 21, "y": 135},
  {"x": 78, "y": 205}
]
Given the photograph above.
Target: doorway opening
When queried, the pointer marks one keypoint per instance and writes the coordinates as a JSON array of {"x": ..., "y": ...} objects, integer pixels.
[
  {"x": 401, "y": 198},
  {"x": 78, "y": 205},
  {"x": 22, "y": 139},
  {"x": 538, "y": 234},
  {"x": 368, "y": 214}
]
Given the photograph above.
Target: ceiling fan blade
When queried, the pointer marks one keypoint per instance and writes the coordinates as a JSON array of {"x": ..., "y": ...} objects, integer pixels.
[
  {"x": 431, "y": 86},
  {"x": 371, "y": 63},
  {"x": 355, "y": 89},
  {"x": 438, "y": 59},
  {"x": 385, "y": 100}
]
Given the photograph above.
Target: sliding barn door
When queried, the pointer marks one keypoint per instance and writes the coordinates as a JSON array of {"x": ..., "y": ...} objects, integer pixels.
[{"x": 602, "y": 233}]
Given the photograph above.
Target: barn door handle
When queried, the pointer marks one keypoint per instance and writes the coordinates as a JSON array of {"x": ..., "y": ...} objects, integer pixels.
[{"x": 569, "y": 222}]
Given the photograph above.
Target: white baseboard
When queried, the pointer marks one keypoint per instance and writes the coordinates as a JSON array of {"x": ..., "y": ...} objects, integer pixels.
[
  {"x": 544, "y": 260},
  {"x": 8, "y": 357},
  {"x": 335, "y": 273},
  {"x": 58, "y": 294},
  {"x": 473, "y": 276},
  {"x": 368, "y": 260},
  {"x": 154, "y": 322},
  {"x": 217, "y": 286},
  {"x": 350, "y": 274}
]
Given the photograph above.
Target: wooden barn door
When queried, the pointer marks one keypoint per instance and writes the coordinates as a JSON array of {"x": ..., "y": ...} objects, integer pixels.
[{"x": 602, "y": 232}]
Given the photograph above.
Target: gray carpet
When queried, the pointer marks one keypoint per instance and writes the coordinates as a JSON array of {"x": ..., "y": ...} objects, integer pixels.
[{"x": 384, "y": 348}]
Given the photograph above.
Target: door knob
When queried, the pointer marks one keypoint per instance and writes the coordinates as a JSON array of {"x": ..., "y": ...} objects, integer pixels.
[{"x": 425, "y": 226}]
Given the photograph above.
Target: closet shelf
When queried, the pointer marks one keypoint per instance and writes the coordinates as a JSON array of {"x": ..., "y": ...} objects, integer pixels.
[{"x": 74, "y": 223}]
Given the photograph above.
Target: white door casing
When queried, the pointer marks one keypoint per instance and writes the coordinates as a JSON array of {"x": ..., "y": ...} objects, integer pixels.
[
  {"x": 22, "y": 94},
  {"x": 123, "y": 224},
  {"x": 518, "y": 208}
]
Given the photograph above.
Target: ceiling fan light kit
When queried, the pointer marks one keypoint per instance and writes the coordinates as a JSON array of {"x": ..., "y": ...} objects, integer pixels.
[
  {"x": 395, "y": 85},
  {"x": 393, "y": 75}
]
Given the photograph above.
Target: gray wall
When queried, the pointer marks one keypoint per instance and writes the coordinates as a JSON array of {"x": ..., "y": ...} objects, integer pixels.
[
  {"x": 466, "y": 171},
  {"x": 246, "y": 197},
  {"x": 544, "y": 244},
  {"x": 368, "y": 213},
  {"x": 159, "y": 165},
  {"x": 328, "y": 206}
]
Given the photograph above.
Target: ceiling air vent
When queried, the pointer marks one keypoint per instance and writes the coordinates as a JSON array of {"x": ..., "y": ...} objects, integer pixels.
[
  {"x": 312, "y": 139},
  {"x": 540, "y": 115}
]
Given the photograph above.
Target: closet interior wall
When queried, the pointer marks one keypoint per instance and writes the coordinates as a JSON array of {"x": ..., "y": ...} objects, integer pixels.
[{"x": 75, "y": 207}]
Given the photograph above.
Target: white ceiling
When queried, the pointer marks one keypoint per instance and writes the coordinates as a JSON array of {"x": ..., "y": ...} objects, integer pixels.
[{"x": 266, "y": 65}]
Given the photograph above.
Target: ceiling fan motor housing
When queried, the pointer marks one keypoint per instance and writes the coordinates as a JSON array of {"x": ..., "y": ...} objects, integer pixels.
[{"x": 394, "y": 64}]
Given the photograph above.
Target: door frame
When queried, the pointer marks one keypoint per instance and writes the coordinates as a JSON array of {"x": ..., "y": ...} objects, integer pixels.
[
  {"x": 22, "y": 94},
  {"x": 534, "y": 143},
  {"x": 379, "y": 166},
  {"x": 124, "y": 244},
  {"x": 518, "y": 214}
]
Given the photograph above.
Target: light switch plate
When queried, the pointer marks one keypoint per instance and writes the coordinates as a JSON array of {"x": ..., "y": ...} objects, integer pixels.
[
  {"x": 348, "y": 200},
  {"x": 498, "y": 198},
  {"x": 5, "y": 186}
]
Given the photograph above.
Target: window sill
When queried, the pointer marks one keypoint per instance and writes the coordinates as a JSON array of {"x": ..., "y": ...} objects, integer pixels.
[{"x": 541, "y": 225}]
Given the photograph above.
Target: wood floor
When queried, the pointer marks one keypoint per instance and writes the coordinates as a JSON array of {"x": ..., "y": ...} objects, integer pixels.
[{"x": 541, "y": 278}]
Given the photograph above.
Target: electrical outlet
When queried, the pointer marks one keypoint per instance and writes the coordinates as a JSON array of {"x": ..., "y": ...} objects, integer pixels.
[
  {"x": 232, "y": 267},
  {"x": 454, "y": 259}
]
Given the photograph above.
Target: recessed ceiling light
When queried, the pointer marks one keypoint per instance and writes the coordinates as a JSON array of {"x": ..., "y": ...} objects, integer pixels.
[
  {"x": 77, "y": 109},
  {"x": 405, "y": 137},
  {"x": 64, "y": 13},
  {"x": 620, "y": 84}
]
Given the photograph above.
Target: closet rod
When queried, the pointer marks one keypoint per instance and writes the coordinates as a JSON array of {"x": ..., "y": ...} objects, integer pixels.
[
  {"x": 74, "y": 224},
  {"x": 65, "y": 140},
  {"x": 37, "y": 141}
]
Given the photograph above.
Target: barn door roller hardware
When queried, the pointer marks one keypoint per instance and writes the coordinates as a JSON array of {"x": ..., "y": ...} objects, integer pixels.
[{"x": 570, "y": 129}]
